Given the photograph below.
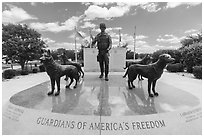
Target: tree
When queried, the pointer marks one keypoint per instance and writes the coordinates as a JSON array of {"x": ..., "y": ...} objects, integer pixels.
[
  {"x": 176, "y": 54},
  {"x": 191, "y": 39},
  {"x": 69, "y": 53},
  {"x": 21, "y": 43},
  {"x": 192, "y": 56},
  {"x": 191, "y": 50}
]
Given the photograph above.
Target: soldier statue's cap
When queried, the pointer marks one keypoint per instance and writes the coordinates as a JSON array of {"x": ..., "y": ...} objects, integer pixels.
[{"x": 102, "y": 25}]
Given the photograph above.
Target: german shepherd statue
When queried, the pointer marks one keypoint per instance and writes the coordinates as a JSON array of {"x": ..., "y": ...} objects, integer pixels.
[{"x": 56, "y": 71}]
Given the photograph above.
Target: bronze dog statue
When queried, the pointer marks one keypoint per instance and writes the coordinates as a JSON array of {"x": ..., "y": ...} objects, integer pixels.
[
  {"x": 77, "y": 65},
  {"x": 152, "y": 71},
  {"x": 56, "y": 71},
  {"x": 144, "y": 61}
]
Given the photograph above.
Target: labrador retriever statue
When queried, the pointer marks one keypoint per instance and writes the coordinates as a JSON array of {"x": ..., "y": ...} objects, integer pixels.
[{"x": 151, "y": 71}]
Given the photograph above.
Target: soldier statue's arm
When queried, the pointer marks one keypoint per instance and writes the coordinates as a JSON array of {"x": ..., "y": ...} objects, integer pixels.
[{"x": 110, "y": 43}]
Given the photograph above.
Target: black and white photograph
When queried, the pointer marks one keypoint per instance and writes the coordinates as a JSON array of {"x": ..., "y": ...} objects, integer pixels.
[{"x": 101, "y": 68}]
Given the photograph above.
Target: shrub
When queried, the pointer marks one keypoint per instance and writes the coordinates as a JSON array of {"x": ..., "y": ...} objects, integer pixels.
[
  {"x": 9, "y": 73},
  {"x": 24, "y": 72},
  {"x": 197, "y": 72},
  {"x": 177, "y": 67},
  {"x": 42, "y": 68}
]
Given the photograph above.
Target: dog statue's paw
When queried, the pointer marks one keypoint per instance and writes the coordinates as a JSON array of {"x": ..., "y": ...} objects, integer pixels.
[
  {"x": 124, "y": 76},
  {"x": 133, "y": 86},
  {"x": 50, "y": 93},
  {"x": 151, "y": 95},
  {"x": 74, "y": 86},
  {"x": 156, "y": 94},
  {"x": 130, "y": 87},
  {"x": 57, "y": 93}
]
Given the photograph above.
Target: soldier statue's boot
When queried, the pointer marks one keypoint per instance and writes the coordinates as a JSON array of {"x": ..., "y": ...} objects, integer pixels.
[
  {"x": 106, "y": 78},
  {"x": 57, "y": 93},
  {"x": 50, "y": 93},
  {"x": 101, "y": 76}
]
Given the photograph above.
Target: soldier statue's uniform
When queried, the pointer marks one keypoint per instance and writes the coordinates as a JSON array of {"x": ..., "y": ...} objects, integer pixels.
[{"x": 104, "y": 44}]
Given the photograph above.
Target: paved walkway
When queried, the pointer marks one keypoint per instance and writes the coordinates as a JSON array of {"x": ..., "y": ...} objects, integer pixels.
[{"x": 19, "y": 83}]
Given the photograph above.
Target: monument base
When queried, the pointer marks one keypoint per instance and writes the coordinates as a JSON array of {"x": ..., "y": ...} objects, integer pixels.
[{"x": 100, "y": 107}]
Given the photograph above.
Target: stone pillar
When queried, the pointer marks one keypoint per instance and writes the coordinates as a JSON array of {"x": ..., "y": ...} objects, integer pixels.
[
  {"x": 117, "y": 59},
  {"x": 90, "y": 60}
]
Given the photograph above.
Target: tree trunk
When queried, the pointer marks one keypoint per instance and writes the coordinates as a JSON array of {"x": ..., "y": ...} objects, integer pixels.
[{"x": 22, "y": 63}]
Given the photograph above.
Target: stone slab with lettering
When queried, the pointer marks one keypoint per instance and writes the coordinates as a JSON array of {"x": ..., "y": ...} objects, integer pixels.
[{"x": 116, "y": 60}]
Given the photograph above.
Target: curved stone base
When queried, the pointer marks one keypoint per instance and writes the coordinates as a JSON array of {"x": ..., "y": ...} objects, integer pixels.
[{"x": 100, "y": 107}]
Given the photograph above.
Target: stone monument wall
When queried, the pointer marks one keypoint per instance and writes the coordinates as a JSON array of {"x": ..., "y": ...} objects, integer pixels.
[{"x": 116, "y": 60}]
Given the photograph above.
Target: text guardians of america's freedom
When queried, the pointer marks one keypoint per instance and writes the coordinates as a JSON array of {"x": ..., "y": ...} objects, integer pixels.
[
  {"x": 135, "y": 125},
  {"x": 17, "y": 114}
]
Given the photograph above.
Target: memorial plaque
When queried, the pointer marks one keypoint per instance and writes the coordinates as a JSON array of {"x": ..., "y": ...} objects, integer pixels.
[{"x": 116, "y": 60}]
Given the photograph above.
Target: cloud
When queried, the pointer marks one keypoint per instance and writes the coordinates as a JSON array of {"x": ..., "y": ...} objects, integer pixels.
[
  {"x": 114, "y": 29},
  {"x": 102, "y": 3},
  {"x": 146, "y": 48},
  {"x": 33, "y": 4},
  {"x": 86, "y": 3},
  {"x": 15, "y": 15},
  {"x": 191, "y": 31},
  {"x": 150, "y": 7},
  {"x": 65, "y": 45},
  {"x": 168, "y": 39},
  {"x": 36, "y": 3},
  {"x": 48, "y": 40},
  {"x": 52, "y": 27},
  {"x": 56, "y": 26},
  {"x": 95, "y": 11},
  {"x": 71, "y": 22},
  {"x": 176, "y": 4},
  {"x": 88, "y": 25},
  {"x": 141, "y": 45},
  {"x": 141, "y": 37},
  {"x": 131, "y": 4}
]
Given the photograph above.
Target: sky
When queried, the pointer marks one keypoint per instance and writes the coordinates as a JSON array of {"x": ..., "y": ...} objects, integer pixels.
[{"x": 157, "y": 25}]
